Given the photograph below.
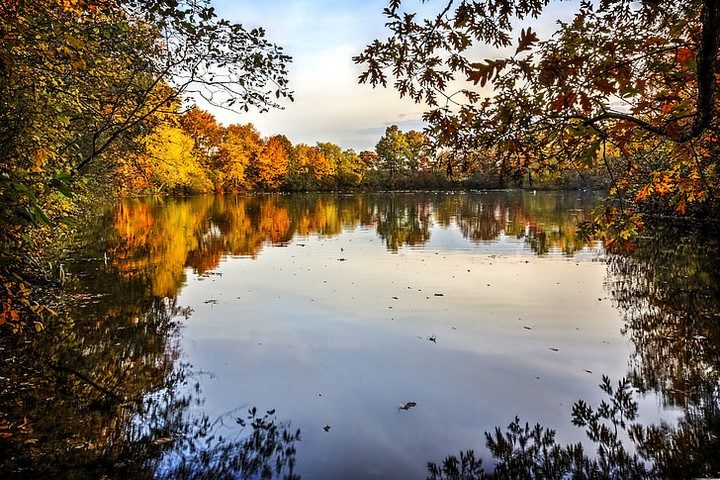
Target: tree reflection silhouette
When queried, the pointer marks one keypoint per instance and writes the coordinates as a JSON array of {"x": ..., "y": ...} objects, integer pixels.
[
  {"x": 102, "y": 393},
  {"x": 668, "y": 290}
]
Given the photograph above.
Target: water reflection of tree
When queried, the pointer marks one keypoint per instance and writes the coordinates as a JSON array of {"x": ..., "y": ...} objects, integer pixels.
[
  {"x": 101, "y": 393},
  {"x": 668, "y": 289},
  {"x": 669, "y": 292},
  {"x": 546, "y": 221},
  {"x": 159, "y": 239},
  {"x": 402, "y": 220}
]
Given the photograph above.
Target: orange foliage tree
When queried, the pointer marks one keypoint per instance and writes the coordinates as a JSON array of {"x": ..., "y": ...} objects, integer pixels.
[{"x": 272, "y": 164}]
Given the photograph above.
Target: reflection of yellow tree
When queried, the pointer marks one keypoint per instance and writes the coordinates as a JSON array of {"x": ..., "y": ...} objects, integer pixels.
[
  {"x": 154, "y": 242},
  {"x": 317, "y": 217},
  {"x": 158, "y": 241}
]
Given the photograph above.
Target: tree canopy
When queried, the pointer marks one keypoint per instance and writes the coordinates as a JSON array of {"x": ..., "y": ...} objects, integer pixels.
[
  {"x": 85, "y": 84},
  {"x": 631, "y": 86}
]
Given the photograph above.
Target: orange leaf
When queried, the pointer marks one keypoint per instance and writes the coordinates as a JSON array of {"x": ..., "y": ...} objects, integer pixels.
[
  {"x": 683, "y": 55},
  {"x": 643, "y": 193},
  {"x": 681, "y": 207}
]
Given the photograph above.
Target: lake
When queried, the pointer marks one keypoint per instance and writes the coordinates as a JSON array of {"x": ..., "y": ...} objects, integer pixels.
[{"x": 390, "y": 329}]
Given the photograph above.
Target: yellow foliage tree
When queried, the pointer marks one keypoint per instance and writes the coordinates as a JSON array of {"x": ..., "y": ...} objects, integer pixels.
[
  {"x": 313, "y": 162},
  {"x": 168, "y": 163},
  {"x": 240, "y": 148}
]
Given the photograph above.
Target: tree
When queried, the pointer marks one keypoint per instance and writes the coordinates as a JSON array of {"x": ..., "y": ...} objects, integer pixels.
[
  {"x": 272, "y": 164},
  {"x": 345, "y": 163},
  {"x": 310, "y": 168},
  {"x": 168, "y": 163},
  {"x": 631, "y": 86},
  {"x": 392, "y": 150},
  {"x": 239, "y": 151},
  {"x": 203, "y": 128},
  {"x": 418, "y": 151},
  {"x": 351, "y": 169},
  {"x": 82, "y": 81}
]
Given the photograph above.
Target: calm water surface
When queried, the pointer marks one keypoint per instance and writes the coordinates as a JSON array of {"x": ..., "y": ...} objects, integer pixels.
[
  {"x": 333, "y": 312},
  {"x": 336, "y": 311}
]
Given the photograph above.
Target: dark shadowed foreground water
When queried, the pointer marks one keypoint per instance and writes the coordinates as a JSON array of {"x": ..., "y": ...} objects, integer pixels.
[{"x": 391, "y": 330}]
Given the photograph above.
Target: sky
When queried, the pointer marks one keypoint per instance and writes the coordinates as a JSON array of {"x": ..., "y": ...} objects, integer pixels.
[{"x": 330, "y": 106}]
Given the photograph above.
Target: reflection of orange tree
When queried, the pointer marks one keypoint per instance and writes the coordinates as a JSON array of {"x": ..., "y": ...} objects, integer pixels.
[
  {"x": 158, "y": 240},
  {"x": 154, "y": 239},
  {"x": 100, "y": 393}
]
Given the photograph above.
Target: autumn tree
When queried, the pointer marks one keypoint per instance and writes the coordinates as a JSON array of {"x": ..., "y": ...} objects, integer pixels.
[
  {"x": 168, "y": 163},
  {"x": 239, "y": 151},
  {"x": 203, "y": 128},
  {"x": 351, "y": 169},
  {"x": 345, "y": 163},
  {"x": 81, "y": 82},
  {"x": 272, "y": 164},
  {"x": 370, "y": 159},
  {"x": 310, "y": 168},
  {"x": 418, "y": 151},
  {"x": 630, "y": 86}
]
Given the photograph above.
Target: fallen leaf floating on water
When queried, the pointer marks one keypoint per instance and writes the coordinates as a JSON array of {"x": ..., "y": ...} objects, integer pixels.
[
  {"x": 326, "y": 428},
  {"x": 341, "y": 259},
  {"x": 527, "y": 328},
  {"x": 439, "y": 294},
  {"x": 407, "y": 406},
  {"x": 432, "y": 338},
  {"x": 553, "y": 349}
]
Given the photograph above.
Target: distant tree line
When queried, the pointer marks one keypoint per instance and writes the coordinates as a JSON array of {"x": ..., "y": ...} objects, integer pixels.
[{"x": 190, "y": 152}]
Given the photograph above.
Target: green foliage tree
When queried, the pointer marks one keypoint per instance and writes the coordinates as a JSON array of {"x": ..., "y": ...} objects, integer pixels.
[
  {"x": 630, "y": 86},
  {"x": 393, "y": 151}
]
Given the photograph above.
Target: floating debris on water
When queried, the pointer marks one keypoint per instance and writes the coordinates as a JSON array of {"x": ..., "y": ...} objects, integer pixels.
[{"x": 407, "y": 406}]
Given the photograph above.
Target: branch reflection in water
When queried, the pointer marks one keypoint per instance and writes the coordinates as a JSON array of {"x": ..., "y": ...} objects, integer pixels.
[
  {"x": 668, "y": 290},
  {"x": 142, "y": 417}
]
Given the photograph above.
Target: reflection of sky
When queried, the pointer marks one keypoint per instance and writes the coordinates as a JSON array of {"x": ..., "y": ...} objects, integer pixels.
[{"x": 323, "y": 341}]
